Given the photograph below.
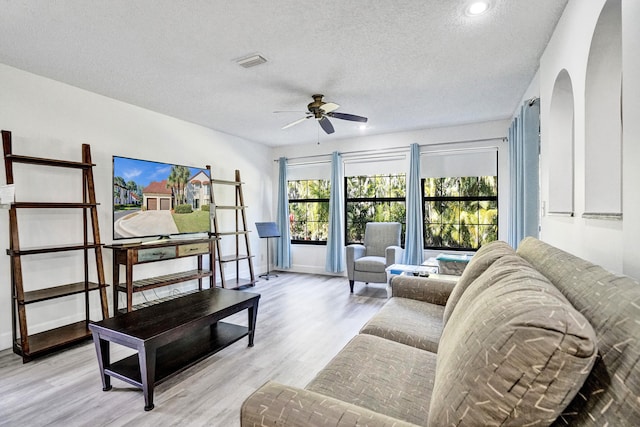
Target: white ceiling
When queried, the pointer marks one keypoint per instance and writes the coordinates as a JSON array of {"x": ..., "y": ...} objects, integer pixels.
[{"x": 405, "y": 64}]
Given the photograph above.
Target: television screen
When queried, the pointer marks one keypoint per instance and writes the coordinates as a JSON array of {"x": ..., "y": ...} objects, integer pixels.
[{"x": 154, "y": 199}]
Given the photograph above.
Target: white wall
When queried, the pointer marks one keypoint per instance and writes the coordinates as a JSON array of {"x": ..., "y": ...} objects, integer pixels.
[
  {"x": 631, "y": 137},
  {"x": 310, "y": 258},
  {"x": 610, "y": 243},
  {"x": 52, "y": 119}
]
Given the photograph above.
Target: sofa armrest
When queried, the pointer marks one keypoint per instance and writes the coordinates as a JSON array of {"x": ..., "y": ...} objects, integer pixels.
[
  {"x": 393, "y": 255},
  {"x": 435, "y": 291},
  {"x": 275, "y": 404}
]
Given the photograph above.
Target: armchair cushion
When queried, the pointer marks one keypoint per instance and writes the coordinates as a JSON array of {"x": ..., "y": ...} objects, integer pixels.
[{"x": 371, "y": 264}]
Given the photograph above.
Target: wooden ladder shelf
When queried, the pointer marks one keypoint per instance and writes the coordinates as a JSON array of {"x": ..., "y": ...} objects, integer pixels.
[
  {"x": 31, "y": 345},
  {"x": 242, "y": 249}
]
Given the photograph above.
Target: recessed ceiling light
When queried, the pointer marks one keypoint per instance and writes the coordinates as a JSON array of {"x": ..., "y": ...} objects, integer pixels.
[
  {"x": 362, "y": 127},
  {"x": 477, "y": 8}
]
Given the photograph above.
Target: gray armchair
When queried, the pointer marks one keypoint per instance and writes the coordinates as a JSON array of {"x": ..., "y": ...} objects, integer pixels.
[{"x": 368, "y": 262}]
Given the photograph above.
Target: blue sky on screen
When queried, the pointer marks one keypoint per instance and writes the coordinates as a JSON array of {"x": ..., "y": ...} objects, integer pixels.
[{"x": 144, "y": 172}]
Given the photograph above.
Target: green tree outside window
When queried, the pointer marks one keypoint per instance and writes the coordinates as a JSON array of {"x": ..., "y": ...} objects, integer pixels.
[{"x": 460, "y": 212}]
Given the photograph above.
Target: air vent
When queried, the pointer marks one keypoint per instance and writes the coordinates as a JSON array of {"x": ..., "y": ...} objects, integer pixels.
[{"x": 251, "y": 61}]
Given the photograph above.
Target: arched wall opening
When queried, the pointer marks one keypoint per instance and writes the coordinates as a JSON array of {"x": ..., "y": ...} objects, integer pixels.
[
  {"x": 561, "y": 147},
  {"x": 603, "y": 117}
]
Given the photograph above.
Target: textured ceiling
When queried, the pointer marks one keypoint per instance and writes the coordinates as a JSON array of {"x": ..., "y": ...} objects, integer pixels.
[{"x": 405, "y": 65}]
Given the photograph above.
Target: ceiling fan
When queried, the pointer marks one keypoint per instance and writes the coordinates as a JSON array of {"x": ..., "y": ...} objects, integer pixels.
[{"x": 321, "y": 111}]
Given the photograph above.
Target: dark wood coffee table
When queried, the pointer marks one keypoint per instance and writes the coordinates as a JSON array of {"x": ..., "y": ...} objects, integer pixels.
[{"x": 171, "y": 336}]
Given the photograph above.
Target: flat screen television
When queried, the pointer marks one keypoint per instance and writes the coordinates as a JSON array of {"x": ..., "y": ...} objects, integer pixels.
[{"x": 159, "y": 200}]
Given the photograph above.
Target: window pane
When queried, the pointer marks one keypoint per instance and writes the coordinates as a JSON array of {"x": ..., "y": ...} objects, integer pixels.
[
  {"x": 488, "y": 212},
  {"x": 450, "y": 212},
  {"x": 468, "y": 213},
  {"x": 308, "y": 218},
  {"x": 353, "y": 187},
  {"x": 433, "y": 212},
  {"x": 468, "y": 236},
  {"x": 370, "y": 198},
  {"x": 488, "y": 186},
  {"x": 450, "y": 187},
  {"x": 430, "y": 187},
  {"x": 487, "y": 233},
  {"x": 398, "y": 186},
  {"x": 449, "y": 235},
  {"x": 432, "y": 236},
  {"x": 469, "y": 186},
  {"x": 320, "y": 189},
  {"x": 460, "y": 212}
]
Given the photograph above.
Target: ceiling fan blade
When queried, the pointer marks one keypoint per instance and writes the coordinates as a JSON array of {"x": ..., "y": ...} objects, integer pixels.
[
  {"x": 329, "y": 107},
  {"x": 326, "y": 125},
  {"x": 295, "y": 123},
  {"x": 345, "y": 116}
]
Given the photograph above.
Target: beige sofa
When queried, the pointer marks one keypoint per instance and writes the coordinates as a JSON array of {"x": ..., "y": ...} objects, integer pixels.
[{"x": 536, "y": 337}]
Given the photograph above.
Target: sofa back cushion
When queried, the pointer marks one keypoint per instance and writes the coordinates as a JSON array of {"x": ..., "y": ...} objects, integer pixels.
[
  {"x": 485, "y": 256},
  {"x": 516, "y": 355},
  {"x": 611, "y": 303}
]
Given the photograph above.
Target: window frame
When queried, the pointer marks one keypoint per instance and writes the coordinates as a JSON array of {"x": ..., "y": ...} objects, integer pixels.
[
  {"x": 306, "y": 200},
  {"x": 374, "y": 199},
  {"x": 426, "y": 199}
]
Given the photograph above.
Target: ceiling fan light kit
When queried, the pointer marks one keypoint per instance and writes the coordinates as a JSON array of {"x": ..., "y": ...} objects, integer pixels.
[{"x": 321, "y": 111}]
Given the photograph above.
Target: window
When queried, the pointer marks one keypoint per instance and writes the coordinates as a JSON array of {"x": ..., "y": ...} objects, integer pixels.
[
  {"x": 309, "y": 210},
  {"x": 379, "y": 198},
  {"x": 460, "y": 212}
]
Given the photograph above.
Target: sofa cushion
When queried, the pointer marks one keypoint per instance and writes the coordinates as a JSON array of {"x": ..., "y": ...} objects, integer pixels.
[
  {"x": 611, "y": 393},
  {"x": 508, "y": 267},
  {"x": 420, "y": 325},
  {"x": 516, "y": 355},
  {"x": 371, "y": 264},
  {"x": 485, "y": 256},
  {"x": 381, "y": 375}
]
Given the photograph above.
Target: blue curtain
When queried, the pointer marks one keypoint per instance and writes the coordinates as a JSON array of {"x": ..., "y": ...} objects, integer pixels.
[
  {"x": 283, "y": 248},
  {"x": 414, "y": 238},
  {"x": 335, "y": 240},
  {"x": 524, "y": 151}
]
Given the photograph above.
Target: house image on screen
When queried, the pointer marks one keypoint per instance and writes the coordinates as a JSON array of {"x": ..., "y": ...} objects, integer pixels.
[
  {"x": 198, "y": 190},
  {"x": 157, "y": 197},
  {"x": 124, "y": 196}
]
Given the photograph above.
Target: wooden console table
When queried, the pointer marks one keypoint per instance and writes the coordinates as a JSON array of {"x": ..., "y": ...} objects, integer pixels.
[
  {"x": 171, "y": 336},
  {"x": 130, "y": 254}
]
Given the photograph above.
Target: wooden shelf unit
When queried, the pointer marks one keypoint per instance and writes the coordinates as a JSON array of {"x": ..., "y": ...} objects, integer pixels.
[
  {"x": 32, "y": 345},
  {"x": 240, "y": 233},
  {"x": 128, "y": 255}
]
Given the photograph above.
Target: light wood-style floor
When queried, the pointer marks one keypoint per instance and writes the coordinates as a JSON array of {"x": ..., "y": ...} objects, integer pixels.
[{"x": 303, "y": 321}]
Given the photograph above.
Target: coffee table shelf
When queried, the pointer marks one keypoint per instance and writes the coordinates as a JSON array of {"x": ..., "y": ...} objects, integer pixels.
[
  {"x": 177, "y": 356},
  {"x": 171, "y": 336}
]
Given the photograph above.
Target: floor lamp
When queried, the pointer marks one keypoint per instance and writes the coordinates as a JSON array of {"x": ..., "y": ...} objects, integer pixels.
[{"x": 267, "y": 230}]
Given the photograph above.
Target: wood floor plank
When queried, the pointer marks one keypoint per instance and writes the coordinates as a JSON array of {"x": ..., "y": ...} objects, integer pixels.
[{"x": 303, "y": 321}]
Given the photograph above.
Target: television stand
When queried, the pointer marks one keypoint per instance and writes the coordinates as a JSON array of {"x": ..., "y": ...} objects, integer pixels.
[{"x": 128, "y": 255}]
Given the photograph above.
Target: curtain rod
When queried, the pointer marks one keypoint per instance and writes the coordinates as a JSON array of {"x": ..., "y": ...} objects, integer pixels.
[{"x": 391, "y": 150}]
